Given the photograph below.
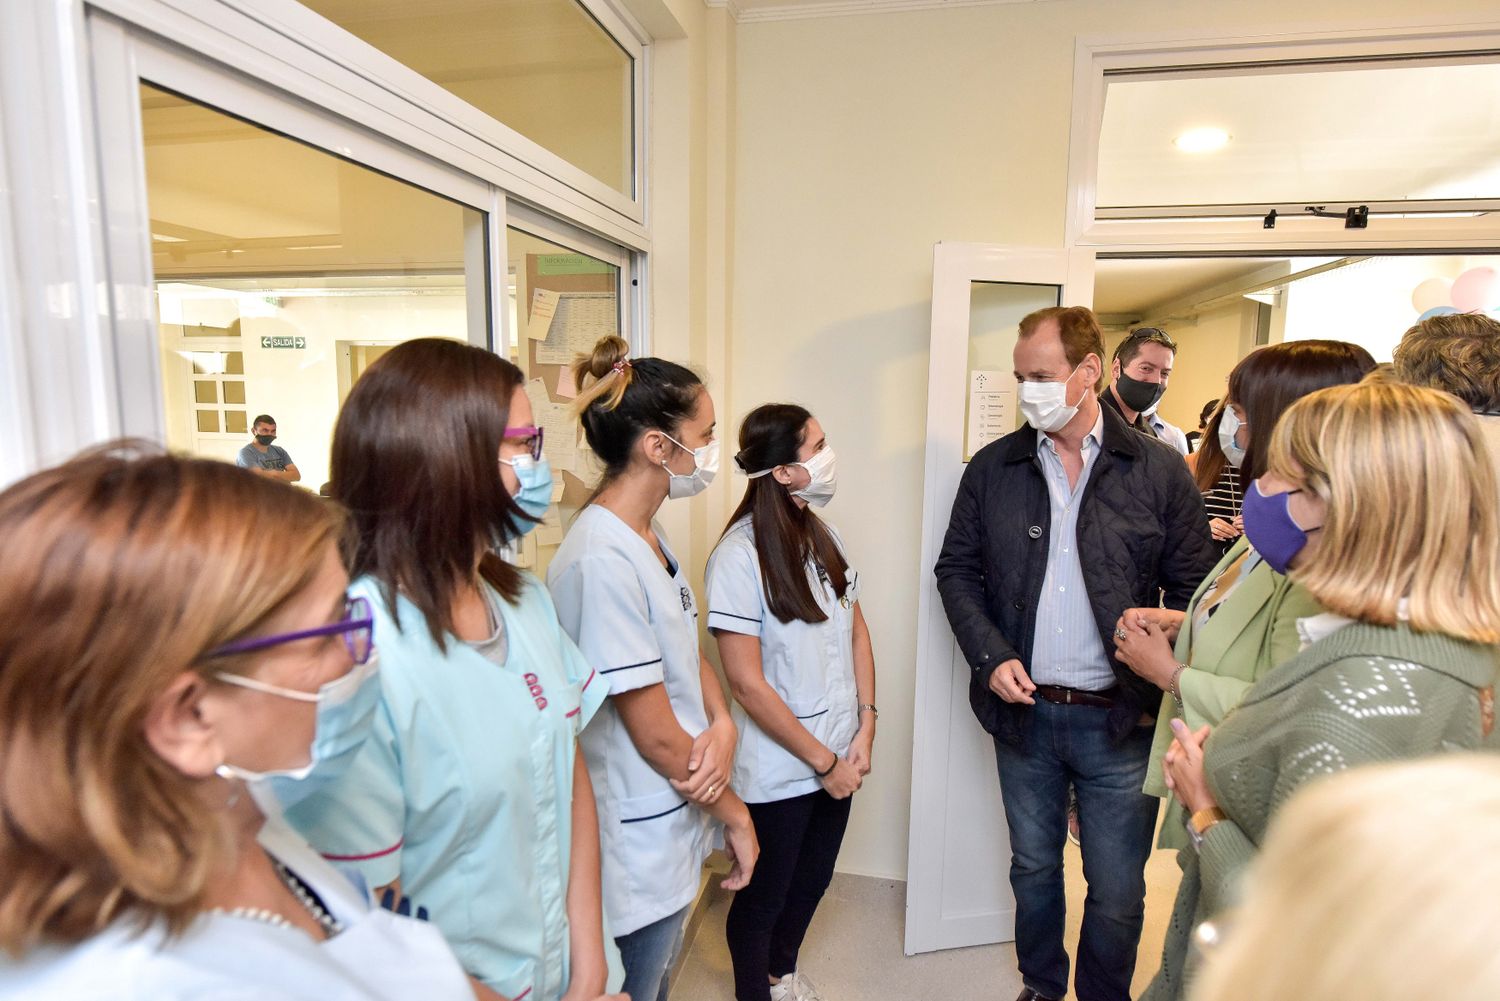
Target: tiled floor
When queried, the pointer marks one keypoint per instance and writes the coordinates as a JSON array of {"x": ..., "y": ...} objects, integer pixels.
[{"x": 853, "y": 950}]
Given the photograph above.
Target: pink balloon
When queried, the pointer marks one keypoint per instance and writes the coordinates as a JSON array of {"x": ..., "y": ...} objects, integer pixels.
[
  {"x": 1477, "y": 288},
  {"x": 1430, "y": 294}
]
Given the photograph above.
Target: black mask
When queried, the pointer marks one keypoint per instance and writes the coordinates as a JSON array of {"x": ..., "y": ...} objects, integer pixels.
[
  {"x": 265, "y": 439},
  {"x": 1137, "y": 395}
]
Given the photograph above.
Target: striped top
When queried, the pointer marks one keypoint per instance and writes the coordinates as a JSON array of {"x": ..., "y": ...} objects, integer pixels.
[{"x": 1223, "y": 501}]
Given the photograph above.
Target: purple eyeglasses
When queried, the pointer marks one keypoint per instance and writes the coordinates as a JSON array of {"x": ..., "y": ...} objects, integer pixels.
[
  {"x": 530, "y": 434},
  {"x": 357, "y": 628}
]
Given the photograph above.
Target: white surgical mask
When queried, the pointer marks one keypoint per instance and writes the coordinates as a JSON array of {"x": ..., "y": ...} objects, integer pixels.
[
  {"x": 1229, "y": 426},
  {"x": 705, "y": 467},
  {"x": 346, "y": 709},
  {"x": 824, "y": 472},
  {"x": 1045, "y": 404}
]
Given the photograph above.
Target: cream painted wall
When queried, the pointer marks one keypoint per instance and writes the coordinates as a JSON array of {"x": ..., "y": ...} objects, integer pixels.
[{"x": 859, "y": 143}]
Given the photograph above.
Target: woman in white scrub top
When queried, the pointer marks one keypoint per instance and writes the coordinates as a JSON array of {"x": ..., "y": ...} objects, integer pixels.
[
  {"x": 186, "y": 638},
  {"x": 661, "y": 750},
  {"x": 469, "y": 796},
  {"x": 783, "y": 604}
]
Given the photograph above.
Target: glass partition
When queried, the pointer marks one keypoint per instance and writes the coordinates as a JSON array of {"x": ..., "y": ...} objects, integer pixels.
[{"x": 281, "y": 272}]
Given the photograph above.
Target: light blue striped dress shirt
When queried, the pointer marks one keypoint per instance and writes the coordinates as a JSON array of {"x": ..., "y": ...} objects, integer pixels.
[{"x": 1066, "y": 648}]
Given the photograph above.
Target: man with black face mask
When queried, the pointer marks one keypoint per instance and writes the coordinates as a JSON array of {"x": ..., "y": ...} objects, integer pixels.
[
  {"x": 1138, "y": 380},
  {"x": 265, "y": 459}
]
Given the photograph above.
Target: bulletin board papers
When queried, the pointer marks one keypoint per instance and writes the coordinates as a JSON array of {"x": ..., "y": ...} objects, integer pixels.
[
  {"x": 543, "y": 309},
  {"x": 579, "y": 320},
  {"x": 559, "y": 427},
  {"x": 991, "y": 409}
]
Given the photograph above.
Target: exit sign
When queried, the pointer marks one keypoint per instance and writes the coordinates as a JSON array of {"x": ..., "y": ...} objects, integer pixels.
[{"x": 283, "y": 343}]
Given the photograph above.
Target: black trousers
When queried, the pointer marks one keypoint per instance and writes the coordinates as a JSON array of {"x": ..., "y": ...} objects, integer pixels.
[{"x": 799, "y": 842}]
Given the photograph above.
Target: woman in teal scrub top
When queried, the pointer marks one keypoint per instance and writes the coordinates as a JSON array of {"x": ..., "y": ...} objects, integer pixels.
[{"x": 470, "y": 797}]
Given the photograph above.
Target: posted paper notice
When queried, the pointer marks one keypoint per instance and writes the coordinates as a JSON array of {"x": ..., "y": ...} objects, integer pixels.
[{"x": 991, "y": 409}]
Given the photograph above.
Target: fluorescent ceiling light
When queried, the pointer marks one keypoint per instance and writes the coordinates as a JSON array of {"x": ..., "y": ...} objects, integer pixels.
[{"x": 1204, "y": 140}]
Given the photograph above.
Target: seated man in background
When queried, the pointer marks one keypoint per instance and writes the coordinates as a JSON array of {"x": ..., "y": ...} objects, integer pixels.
[
  {"x": 265, "y": 459},
  {"x": 1459, "y": 354}
]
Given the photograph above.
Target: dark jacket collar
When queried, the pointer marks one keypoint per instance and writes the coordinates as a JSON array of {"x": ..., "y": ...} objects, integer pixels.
[
  {"x": 1107, "y": 398},
  {"x": 1119, "y": 438}
]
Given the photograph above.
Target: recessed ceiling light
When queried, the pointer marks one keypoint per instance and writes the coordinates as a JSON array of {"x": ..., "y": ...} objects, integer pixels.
[{"x": 1204, "y": 140}]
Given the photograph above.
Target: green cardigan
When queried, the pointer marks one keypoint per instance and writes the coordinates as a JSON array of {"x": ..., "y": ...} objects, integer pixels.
[
  {"x": 1254, "y": 630},
  {"x": 1364, "y": 694}
]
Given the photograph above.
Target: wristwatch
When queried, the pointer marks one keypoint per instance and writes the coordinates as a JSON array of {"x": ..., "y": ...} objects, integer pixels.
[{"x": 1199, "y": 822}]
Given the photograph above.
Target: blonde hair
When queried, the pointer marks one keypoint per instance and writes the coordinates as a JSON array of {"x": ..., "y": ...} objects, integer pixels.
[
  {"x": 1412, "y": 507},
  {"x": 119, "y": 572},
  {"x": 603, "y": 375},
  {"x": 1376, "y": 884}
]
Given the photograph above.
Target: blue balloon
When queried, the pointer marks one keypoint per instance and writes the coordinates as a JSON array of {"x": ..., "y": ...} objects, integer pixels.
[{"x": 1437, "y": 311}]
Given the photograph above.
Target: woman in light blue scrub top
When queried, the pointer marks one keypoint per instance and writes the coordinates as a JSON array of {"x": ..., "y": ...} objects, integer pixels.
[
  {"x": 470, "y": 797},
  {"x": 662, "y": 750}
]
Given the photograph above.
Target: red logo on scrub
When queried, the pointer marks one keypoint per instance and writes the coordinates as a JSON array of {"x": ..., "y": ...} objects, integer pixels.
[{"x": 536, "y": 690}]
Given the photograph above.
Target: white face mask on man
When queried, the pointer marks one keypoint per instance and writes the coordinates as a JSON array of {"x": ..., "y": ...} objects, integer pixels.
[{"x": 1045, "y": 404}]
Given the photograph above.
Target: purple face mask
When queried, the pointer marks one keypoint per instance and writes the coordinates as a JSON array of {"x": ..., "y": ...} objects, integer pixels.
[{"x": 1270, "y": 528}]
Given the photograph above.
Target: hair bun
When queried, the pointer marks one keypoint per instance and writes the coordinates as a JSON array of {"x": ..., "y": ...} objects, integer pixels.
[{"x": 609, "y": 351}]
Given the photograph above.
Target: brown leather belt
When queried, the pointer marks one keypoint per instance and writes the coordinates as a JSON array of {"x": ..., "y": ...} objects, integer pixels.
[{"x": 1059, "y": 695}]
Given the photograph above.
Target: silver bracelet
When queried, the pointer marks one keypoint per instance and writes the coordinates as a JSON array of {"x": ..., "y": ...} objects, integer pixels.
[{"x": 1172, "y": 686}]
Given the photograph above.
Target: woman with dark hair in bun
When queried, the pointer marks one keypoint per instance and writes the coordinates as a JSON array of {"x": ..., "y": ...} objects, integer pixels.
[
  {"x": 783, "y": 603},
  {"x": 661, "y": 751}
]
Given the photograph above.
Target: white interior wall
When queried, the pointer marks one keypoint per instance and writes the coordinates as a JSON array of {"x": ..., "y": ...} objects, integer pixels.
[
  {"x": 860, "y": 142},
  {"x": 1368, "y": 303}
]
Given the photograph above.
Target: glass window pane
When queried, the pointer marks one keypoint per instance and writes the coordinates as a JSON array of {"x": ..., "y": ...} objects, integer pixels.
[
  {"x": 298, "y": 254},
  {"x": 1311, "y": 136},
  {"x": 583, "y": 296},
  {"x": 205, "y": 392},
  {"x": 995, "y": 313},
  {"x": 545, "y": 68}
]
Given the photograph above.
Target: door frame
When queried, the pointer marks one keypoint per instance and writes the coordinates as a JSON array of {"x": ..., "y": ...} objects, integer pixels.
[{"x": 954, "y": 267}]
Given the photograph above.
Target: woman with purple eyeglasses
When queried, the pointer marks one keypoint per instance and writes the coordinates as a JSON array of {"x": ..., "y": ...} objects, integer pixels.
[
  {"x": 470, "y": 797},
  {"x": 174, "y": 637}
]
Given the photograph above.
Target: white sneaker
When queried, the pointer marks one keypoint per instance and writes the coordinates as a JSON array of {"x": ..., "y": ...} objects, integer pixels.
[
  {"x": 803, "y": 989},
  {"x": 795, "y": 987}
]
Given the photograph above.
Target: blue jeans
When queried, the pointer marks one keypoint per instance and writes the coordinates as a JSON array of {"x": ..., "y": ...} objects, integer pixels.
[
  {"x": 1069, "y": 745},
  {"x": 648, "y": 954}
]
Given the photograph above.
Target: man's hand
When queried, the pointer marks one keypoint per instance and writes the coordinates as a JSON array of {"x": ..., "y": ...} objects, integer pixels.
[{"x": 1011, "y": 682}]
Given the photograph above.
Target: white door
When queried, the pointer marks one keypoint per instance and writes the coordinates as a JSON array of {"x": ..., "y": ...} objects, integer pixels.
[{"x": 958, "y": 890}]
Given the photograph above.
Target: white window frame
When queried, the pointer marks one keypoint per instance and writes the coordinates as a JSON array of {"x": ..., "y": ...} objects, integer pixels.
[
  {"x": 376, "y": 66},
  {"x": 123, "y": 58},
  {"x": 1420, "y": 40},
  {"x": 331, "y": 73}
]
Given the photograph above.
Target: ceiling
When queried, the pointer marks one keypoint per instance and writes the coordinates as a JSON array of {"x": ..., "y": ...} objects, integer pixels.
[
  {"x": 1134, "y": 286},
  {"x": 1305, "y": 135}
]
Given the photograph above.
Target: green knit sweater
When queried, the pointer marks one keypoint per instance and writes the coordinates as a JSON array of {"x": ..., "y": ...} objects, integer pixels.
[{"x": 1363, "y": 694}]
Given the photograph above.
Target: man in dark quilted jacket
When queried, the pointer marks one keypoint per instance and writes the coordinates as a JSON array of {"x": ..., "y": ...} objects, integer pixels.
[{"x": 1057, "y": 529}]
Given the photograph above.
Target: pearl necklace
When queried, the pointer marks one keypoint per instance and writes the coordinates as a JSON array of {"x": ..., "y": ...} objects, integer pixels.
[{"x": 304, "y": 896}]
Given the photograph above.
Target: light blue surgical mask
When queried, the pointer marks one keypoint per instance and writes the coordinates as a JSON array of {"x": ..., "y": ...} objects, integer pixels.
[
  {"x": 346, "y": 710},
  {"x": 535, "y": 494},
  {"x": 1229, "y": 426}
]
